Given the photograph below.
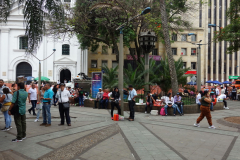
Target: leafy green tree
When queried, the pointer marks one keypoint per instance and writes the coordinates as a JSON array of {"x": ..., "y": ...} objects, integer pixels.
[
  {"x": 231, "y": 33},
  {"x": 135, "y": 77},
  {"x": 163, "y": 78},
  {"x": 36, "y": 12},
  {"x": 110, "y": 79}
]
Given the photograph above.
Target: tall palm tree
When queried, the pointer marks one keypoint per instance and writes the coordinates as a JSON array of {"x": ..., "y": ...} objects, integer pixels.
[
  {"x": 110, "y": 79},
  {"x": 172, "y": 70}
]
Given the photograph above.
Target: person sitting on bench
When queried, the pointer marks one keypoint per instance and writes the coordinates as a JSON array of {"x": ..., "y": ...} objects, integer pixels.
[{"x": 170, "y": 103}]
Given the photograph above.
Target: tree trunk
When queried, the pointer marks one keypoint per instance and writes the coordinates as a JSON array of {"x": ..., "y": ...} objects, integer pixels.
[{"x": 173, "y": 74}]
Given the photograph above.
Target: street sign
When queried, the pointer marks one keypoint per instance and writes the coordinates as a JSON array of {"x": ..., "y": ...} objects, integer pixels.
[{"x": 233, "y": 77}]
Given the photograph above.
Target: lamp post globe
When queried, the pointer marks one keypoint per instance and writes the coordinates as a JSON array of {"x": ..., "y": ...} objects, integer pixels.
[{"x": 147, "y": 41}]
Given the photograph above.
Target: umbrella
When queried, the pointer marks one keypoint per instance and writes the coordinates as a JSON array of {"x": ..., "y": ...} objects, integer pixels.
[
  {"x": 29, "y": 78},
  {"x": 43, "y": 78},
  {"x": 216, "y": 82},
  {"x": 191, "y": 72},
  {"x": 209, "y": 82},
  {"x": 227, "y": 82},
  {"x": 192, "y": 83}
]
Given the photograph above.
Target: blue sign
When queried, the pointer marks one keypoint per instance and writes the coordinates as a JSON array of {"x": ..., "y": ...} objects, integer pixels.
[{"x": 96, "y": 83}]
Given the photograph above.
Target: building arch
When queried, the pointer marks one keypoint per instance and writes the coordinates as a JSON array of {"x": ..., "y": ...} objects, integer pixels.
[
  {"x": 23, "y": 69},
  {"x": 16, "y": 61}
]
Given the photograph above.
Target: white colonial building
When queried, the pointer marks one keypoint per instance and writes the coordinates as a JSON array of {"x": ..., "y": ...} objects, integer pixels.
[{"x": 65, "y": 63}]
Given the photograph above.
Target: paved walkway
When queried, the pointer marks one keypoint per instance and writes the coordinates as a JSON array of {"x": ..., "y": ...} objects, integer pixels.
[{"x": 94, "y": 136}]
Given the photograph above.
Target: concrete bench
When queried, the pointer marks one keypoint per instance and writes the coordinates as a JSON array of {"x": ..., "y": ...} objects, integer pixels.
[{"x": 187, "y": 109}]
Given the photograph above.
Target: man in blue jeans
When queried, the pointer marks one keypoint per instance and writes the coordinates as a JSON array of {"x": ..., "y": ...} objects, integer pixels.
[
  {"x": 81, "y": 93},
  {"x": 47, "y": 98}
]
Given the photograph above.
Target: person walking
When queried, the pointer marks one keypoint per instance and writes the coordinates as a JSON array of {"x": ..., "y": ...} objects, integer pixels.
[
  {"x": 205, "y": 110},
  {"x": 55, "y": 89},
  {"x": 131, "y": 102},
  {"x": 80, "y": 95},
  {"x": 46, "y": 99},
  {"x": 41, "y": 94},
  {"x": 98, "y": 98},
  {"x": 63, "y": 98},
  {"x": 6, "y": 101},
  {"x": 20, "y": 98},
  {"x": 32, "y": 96},
  {"x": 149, "y": 102},
  {"x": 2, "y": 86},
  {"x": 115, "y": 101}
]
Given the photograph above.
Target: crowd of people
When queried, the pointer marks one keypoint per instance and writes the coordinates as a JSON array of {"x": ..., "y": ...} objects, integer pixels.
[{"x": 63, "y": 96}]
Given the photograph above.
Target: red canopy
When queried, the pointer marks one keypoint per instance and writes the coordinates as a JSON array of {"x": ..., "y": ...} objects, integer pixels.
[{"x": 191, "y": 72}]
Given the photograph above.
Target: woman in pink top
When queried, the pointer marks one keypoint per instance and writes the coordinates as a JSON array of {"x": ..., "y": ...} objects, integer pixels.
[{"x": 105, "y": 99}]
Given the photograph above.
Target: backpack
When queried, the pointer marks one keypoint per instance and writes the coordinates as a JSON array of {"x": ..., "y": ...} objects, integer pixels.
[{"x": 162, "y": 112}]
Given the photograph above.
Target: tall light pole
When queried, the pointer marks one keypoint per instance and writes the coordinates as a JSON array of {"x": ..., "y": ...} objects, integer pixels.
[
  {"x": 120, "y": 64},
  {"x": 198, "y": 63},
  {"x": 147, "y": 42}
]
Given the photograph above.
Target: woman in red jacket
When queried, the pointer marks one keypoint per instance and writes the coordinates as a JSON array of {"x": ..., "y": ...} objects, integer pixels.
[{"x": 105, "y": 99}]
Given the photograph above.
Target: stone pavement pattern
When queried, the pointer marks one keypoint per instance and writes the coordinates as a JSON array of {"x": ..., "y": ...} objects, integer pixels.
[{"x": 94, "y": 136}]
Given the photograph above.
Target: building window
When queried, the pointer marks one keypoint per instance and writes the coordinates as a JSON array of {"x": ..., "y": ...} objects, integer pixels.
[
  {"x": 113, "y": 51},
  {"x": 155, "y": 51},
  {"x": 174, "y": 51},
  {"x": 114, "y": 64},
  {"x": 94, "y": 63},
  {"x": 194, "y": 38},
  {"x": 104, "y": 63},
  {"x": 104, "y": 49},
  {"x": 193, "y": 65},
  {"x": 184, "y": 37},
  {"x": 193, "y": 51},
  {"x": 184, "y": 51},
  {"x": 184, "y": 65},
  {"x": 65, "y": 49},
  {"x": 67, "y": 0},
  {"x": 174, "y": 37},
  {"x": 23, "y": 42},
  {"x": 132, "y": 51}
]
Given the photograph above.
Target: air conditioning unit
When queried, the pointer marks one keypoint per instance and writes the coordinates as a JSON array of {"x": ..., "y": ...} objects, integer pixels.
[{"x": 94, "y": 65}]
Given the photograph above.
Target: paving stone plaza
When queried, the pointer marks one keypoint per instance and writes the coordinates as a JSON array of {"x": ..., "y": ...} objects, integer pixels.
[{"x": 94, "y": 136}]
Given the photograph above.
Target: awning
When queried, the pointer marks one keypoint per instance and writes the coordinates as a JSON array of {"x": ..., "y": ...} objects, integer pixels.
[{"x": 191, "y": 72}]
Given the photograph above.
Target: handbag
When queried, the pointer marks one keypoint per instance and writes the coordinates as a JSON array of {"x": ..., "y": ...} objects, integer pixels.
[
  {"x": 4, "y": 108},
  {"x": 65, "y": 105},
  {"x": 15, "y": 108}
]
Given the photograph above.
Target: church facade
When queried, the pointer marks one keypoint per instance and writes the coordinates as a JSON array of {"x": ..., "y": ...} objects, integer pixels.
[{"x": 65, "y": 63}]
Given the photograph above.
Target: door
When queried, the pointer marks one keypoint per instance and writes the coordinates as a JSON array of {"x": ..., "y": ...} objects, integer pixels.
[
  {"x": 65, "y": 74},
  {"x": 23, "y": 69}
]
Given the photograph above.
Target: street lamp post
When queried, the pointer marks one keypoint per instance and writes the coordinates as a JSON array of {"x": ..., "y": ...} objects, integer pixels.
[
  {"x": 147, "y": 42},
  {"x": 198, "y": 63},
  {"x": 120, "y": 64}
]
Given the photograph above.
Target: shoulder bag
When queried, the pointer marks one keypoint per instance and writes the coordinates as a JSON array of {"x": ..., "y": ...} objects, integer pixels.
[
  {"x": 65, "y": 105},
  {"x": 15, "y": 108}
]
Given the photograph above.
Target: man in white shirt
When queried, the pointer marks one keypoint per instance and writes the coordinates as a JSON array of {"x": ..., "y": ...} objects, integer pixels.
[
  {"x": 63, "y": 98},
  {"x": 216, "y": 90},
  {"x": 58, "y": 82},
  {"x": 198, "y": 98},
  {"x": 223, "y": 98},
  {"x": 131, "y": 101},
  {"x": 32, "y": 97},
  {"x": 98, "y": 98}
]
